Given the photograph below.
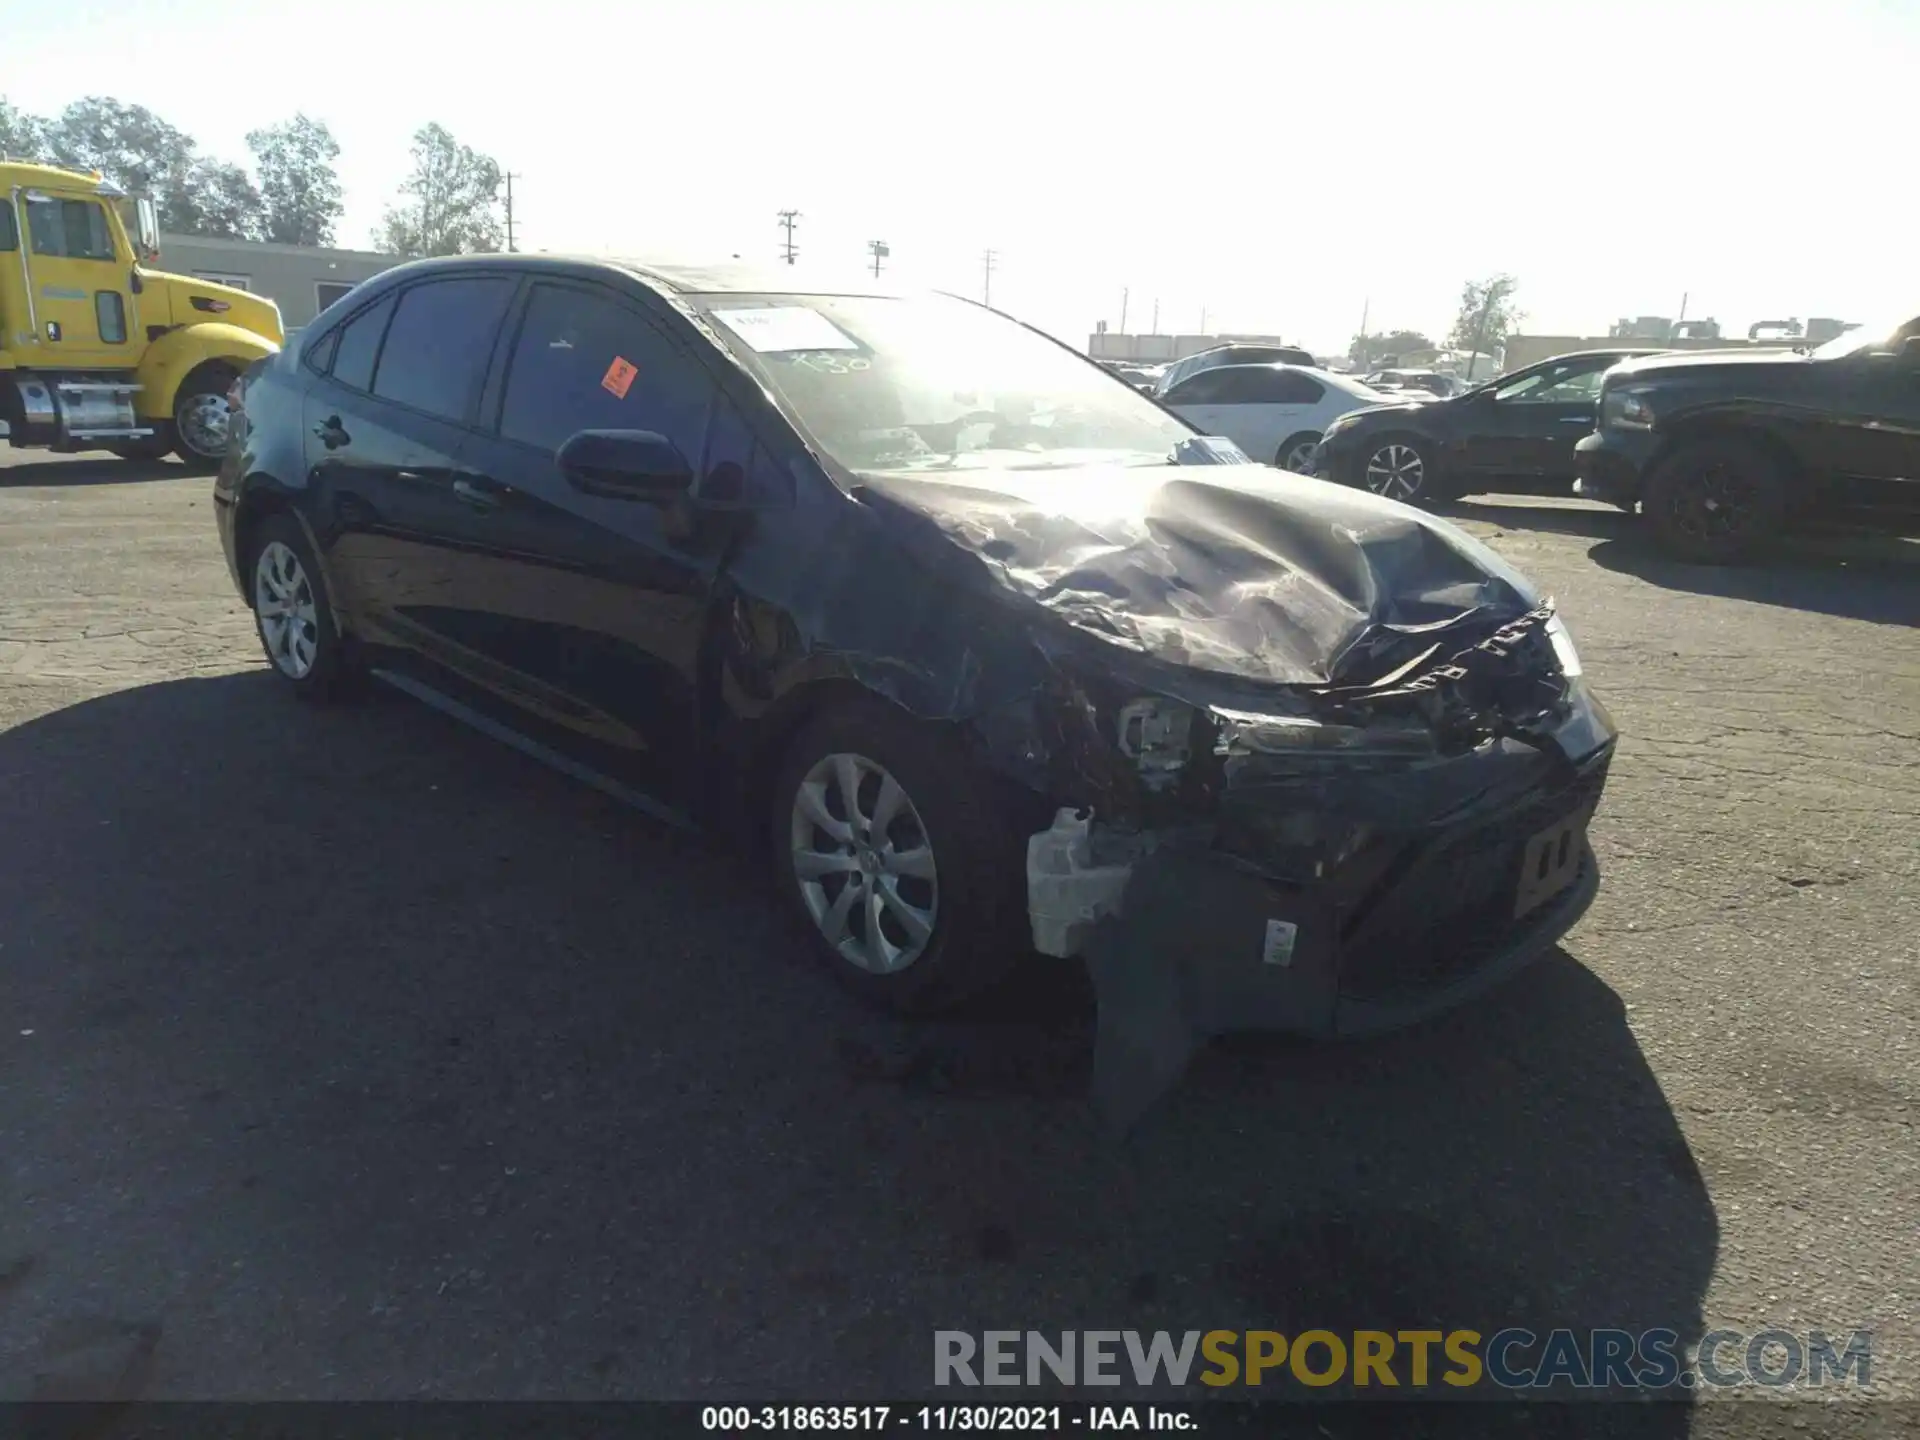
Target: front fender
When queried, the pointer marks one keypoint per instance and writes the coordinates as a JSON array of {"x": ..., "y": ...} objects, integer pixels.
[{"x": 179, "y": 352}]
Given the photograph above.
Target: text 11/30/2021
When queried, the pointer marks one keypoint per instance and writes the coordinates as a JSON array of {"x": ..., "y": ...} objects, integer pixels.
[{"x": 933, "y": 1419}]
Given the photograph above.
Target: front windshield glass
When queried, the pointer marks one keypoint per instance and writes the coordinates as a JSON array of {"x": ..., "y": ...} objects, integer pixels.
[
  {"x": 1884, "y": 336},
  {"x": 935, "y": 383}
]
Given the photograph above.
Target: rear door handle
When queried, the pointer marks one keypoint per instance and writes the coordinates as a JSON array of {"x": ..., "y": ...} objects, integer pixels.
[
  {"x": 1577, "y": 420},
  {"x": 471, "y": 494}
]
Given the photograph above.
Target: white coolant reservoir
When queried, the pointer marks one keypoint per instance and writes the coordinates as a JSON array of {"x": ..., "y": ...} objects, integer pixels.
[{"x": 1066, "y": 891}]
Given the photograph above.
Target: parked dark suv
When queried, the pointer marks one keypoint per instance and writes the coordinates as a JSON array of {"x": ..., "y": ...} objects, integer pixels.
[
  {"x": 976, "y": 637},
  {"x": 1723, "y": 449}
]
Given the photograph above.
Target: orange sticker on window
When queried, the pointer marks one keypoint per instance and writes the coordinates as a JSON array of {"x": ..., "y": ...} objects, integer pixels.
[{"x": 619, "y": 377}]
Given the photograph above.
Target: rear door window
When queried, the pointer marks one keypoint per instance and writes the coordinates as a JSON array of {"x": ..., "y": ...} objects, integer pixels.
[
  {"x": 587, "y": 360},
  {"x": 439, "y": 343}
]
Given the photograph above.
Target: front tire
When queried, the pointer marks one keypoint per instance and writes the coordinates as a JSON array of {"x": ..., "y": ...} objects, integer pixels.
[
  {"x": 897, "y": 862},
  {"x": 1399, "y": 467},
  {"x": 1714, "y": 502},
  {"x": 148, "y": 448},
  {"x": 202, "y": 417},
  {"x": 291, "y": 611}
]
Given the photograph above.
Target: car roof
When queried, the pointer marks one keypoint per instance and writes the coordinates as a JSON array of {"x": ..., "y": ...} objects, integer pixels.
[{"x": 685, "y": 277}]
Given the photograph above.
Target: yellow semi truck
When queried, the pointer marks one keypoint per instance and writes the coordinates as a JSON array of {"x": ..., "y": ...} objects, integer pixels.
[{"x": 98, "y": 352}]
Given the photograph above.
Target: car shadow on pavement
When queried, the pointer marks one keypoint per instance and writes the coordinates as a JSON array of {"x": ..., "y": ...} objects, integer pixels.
[
  {"x": 1875, "y": 578},
  {"x": 88, "y": 470},
  {"x": 1593, "y": 521},
  {"x": 349, "y": 1055}
]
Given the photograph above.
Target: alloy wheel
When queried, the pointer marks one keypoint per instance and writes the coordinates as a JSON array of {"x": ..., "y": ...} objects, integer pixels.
[
  {"x": 1300, "y": 458},
  {"x": 864, "y": 863},
  {"x": 283, "y": 601},
  {"x": 203, "y": 422},
  {"x": 1713, "y": 505},
  {"x": 1396, "y": 472}
]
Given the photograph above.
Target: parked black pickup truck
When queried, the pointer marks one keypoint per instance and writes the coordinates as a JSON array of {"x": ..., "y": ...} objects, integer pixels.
[{"x": 1721, "y": 450}]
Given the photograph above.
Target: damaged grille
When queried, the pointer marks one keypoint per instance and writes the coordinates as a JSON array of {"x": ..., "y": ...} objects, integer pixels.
[{"x": 1444, "y": 911}]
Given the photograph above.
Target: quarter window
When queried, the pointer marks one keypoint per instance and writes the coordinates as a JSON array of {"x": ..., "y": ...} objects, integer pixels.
[
  {"x": 438, "y": 345},
  {"x": 585, "y": 361},
  {"x": 9, "y": 229},
  {"x": 359, "y": 345}
]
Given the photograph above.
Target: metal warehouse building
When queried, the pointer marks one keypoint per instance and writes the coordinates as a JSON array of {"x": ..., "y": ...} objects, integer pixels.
[{"x": 302, "y": 280}]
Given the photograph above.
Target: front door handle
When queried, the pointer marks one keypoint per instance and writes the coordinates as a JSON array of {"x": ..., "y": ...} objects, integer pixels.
[
  {"x": 471, "y": 494},
  {"x": 332, "y": 433},
  {"x": 1577, "y": 420}
]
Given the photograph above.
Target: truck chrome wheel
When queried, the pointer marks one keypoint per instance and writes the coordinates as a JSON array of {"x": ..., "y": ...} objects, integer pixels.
[
  {"x": 202, "y": 422},
  {"x": 283, "y": 603},
  {"x": 864, "y": 864},
  {"x": 1396, "y": 471}
]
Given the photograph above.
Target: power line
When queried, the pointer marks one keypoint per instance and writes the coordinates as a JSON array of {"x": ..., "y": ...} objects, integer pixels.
[
  {"x": 988, "y": 262},
  {"x": 787, "y": 218}
]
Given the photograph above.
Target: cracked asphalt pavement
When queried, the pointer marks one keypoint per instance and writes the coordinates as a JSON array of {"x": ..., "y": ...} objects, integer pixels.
[{"x": 347, "y": 1054}]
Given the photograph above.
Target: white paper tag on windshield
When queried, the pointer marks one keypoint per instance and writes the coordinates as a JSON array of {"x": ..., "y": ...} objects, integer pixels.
[
  {"x": 1278, "y": 949},
  {"x": 774, "y": 328}
]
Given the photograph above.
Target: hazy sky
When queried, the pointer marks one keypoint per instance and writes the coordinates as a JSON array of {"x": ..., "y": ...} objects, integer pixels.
[{"x": 1276, "y": 165}]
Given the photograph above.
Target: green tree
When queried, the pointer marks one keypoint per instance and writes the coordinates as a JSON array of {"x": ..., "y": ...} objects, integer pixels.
[
  {"x": 449, "y": 201},
  {"x": 1369, "y": 350},
  {"x": 298, "y": 186},
  {"x": 220, "y": 201},
  {"x": 22, "y": 136},
  {"x": 135, "y": 149},
  {"x": 1487, "y": 315}
]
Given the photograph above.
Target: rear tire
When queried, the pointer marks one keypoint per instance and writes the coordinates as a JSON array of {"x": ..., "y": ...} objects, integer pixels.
[
  {"x": 924, "y": 909},
  {"x": 201, "y": 416},
  {"x": 292, "y": 613},
  {"x": 1296, "y": 452},
  {"x": 1714, "y": 502},
  {"x": 156, "y": 446}
]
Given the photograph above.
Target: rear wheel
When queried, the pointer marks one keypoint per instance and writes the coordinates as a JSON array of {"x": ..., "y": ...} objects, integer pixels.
[
  {"x": 291, "y": 612},
  {"x": 896, "y": 861},
  {"x": 1714, "y": 501},
  {"x": 1296, "y": 452},
  {"x": 201, "y": 416},
  {"x": 151, "y": 447}
]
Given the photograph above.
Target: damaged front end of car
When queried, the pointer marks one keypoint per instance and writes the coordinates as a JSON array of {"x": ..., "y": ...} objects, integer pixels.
[{"x": 1316, "y": 763}]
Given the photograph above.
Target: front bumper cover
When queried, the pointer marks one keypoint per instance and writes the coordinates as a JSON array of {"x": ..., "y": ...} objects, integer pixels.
[
  {"x": 1610, "y": 465},
  {"x": 1208, "y": 943}
]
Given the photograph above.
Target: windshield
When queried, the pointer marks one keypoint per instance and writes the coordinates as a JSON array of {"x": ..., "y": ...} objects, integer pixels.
[
  {"x": 936, "y": 383},
  {"x": 1885, "y": 336}
]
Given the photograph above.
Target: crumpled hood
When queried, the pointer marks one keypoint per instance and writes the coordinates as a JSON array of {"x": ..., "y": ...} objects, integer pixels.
[{"x": 1242, "y": 570}]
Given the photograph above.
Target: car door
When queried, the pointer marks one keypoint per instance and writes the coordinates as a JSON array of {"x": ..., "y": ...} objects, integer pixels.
[
  {"x": 1871, "y": 440},
  {"x": 592, "y": 624},
  {"x": 1196, "y": 400},
  {"x": 386, "y": 424},
  {"x": 1527, "y": 428},
  {"x": 79, "y": 284}
]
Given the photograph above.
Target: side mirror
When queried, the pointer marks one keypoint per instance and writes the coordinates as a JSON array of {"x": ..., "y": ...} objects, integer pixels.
[
  {"x": 626, "y": 465},
  {"x": 147, "y": 225}
]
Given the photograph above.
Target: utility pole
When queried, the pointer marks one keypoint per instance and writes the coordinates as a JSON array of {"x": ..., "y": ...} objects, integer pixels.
[
  {"x": 1156, "y": 317},
  {"x": 986, "y": 278},
  {"x": 1359, "y": 352},
  {"x": 511, "y": 177},
  {"x": 879, "y": 250},
  {"x": 1203, "y": 319},
  {"x": 1123, "y": 309},
  {"x": 787, "y": 217}
]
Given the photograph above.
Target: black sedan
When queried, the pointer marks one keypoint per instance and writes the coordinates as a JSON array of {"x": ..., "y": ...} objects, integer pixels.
[
  {"x": 1513, "y": 434},
  {"x": 988, "y": 651}
]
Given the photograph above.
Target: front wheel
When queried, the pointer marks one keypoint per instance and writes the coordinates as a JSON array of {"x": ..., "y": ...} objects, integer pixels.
[
  {"x": 1715, "y": 501},
  {"x": 896, "y": 861},
  {"x": 1400, "y": 468},
  {"x": 202, "y": 417}
]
